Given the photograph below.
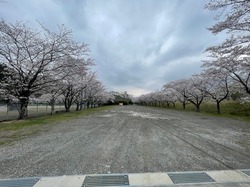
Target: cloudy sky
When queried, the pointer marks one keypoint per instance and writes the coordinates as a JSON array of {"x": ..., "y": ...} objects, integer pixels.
[{"x": 138, "y": 45}]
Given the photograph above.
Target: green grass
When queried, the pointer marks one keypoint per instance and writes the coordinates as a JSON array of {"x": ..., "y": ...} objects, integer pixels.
[
  {"x": 15, "y": 130},
  {"x": 229, "y": 109},
  {"x": 18, "y": 124},
  {"x": 2, "y": 143}
]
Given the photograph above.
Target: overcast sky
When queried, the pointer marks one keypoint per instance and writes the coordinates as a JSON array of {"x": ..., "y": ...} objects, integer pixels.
[{"x": 137, "y": 45}]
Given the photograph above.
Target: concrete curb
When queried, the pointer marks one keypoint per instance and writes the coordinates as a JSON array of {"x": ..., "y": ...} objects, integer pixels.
[{"x": 217, "y": 178}]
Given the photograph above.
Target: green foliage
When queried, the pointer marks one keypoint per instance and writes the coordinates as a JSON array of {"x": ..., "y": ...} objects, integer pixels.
[
  {"x": 122, "y": 98},
  {"x": 236, "y": 96},
  {"x": 2, "y": 72}
]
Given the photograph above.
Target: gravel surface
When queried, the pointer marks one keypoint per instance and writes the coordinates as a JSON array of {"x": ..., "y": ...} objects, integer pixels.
[{"x": 130, "y": 139}]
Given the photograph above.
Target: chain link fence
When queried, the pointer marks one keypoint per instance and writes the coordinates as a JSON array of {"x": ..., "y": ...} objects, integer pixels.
[{"x": 10, "y": 112}]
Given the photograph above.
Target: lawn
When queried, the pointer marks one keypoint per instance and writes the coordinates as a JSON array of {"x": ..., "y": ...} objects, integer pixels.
[{"x": 229, "y": 109}]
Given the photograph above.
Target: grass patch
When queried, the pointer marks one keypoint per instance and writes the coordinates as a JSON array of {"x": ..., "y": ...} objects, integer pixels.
[
  {"x": 19, "y": 124},
  {"x": 15, "y": 130},
  {"x": 2, "y": 143},
  {"x": 229, "y": 109}
]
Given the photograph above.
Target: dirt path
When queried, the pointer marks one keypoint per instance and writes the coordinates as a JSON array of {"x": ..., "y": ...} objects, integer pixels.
[{"x": 130, "y": 139}]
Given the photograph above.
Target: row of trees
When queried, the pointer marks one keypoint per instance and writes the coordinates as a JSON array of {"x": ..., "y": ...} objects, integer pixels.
[
  {"x": 46, "y": 65},
  {"x": 227, "y": 69}
]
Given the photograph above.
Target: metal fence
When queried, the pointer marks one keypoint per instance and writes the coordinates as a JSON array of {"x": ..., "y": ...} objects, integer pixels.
[{"x": 10, "y": 112}]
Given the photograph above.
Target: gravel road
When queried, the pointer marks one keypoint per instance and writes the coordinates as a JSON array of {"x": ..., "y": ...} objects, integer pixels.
[{"x": 130, "y": 139}]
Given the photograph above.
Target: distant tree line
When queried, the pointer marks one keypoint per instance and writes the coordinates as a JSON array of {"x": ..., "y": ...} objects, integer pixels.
[
  {"x": 121, "y": 97},
  {"x": 225, "y": 73}
]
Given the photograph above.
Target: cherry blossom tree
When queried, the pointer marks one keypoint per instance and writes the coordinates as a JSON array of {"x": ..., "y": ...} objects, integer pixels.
[
  {"x": 170, "y": 96},
  {"x": 51, "y": 99},
  {"x": 145, "y": 99},
  {"x": 217, "y": 85},
  {"x": 233, "y": 55},
  {"x": 69, "y": 92},
  {"x": 103, "y": 97},
  {"x": 179, "y": 88},
  {"x": 141, "y": 100},
  {"x": 196, "y": 91},
  {"x": 33, "y": 57},
  {"x": 74, "y": 80},
  {"x": 93, "y": 92},
  {"x": 158, "y": 98},
  {"x": 3, "y": 76},
  {"x": 99, "y": 97},
  {"x": 233, "y": 15},
  {"x": 82, "y": 70},
  {"x": 236, "y": 63}
]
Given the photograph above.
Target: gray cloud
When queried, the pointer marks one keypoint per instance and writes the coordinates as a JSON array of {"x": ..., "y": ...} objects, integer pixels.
[{"x": 137, "y": 45}]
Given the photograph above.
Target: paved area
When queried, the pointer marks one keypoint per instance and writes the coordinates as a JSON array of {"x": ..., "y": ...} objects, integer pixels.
[
  {"x": 221, "y": 178},
  {"x": 130, "y": 139}
]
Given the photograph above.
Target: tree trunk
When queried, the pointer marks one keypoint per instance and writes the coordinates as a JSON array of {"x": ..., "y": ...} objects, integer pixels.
[
  {"x": 67, "y": 109},
  {"x": 81, "y": 101},
  {"x": 52, "y": 104},
  {"x": 67, "y": 105},
  {"x": 52, "y": 109},
  {"x": 197, "y": 108},
  {"x": 183, "y": 105},
  {"x": 81, "y": 105},
  {"x": 218, "y": 106},
  {"x": 197, "y": 103},
  {"x": 23, "y": 110},
  {"x": 173, "y": 104},
  {"x": 77, "y": 106}
]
